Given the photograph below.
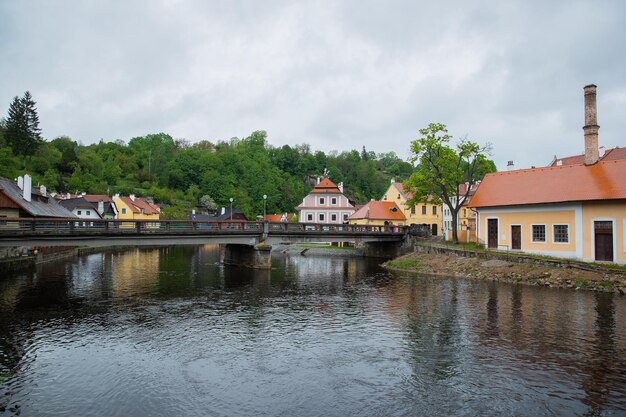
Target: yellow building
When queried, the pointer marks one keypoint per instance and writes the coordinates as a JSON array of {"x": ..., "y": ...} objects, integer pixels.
[
  {"x": 419, "y": 214},
  {"x": 569, "y": 211},
  {"x": 135, "y": 208}
]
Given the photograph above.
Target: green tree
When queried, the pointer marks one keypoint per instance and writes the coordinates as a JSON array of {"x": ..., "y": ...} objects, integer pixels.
[
  {"x": 442, "y": 168},
  {"x": 23, "y": 134}
]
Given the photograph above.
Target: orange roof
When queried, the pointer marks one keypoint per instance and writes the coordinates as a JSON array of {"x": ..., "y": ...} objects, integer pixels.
[
  {"x": 605, "y": 180},
  {"x": 277, "y": 218},
  {"x": 379, "y": 210},
  {"x": 94, "y": 198},
  {"x": 610, "y": 155},
  {"x": 326, "y": 186},
  {"x": 139, "y": 204}
]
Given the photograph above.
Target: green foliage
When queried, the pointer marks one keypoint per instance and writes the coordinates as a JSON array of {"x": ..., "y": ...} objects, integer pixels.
[
  {"x": 442, "y": 168},
  {"x": 22, "y": 132},
  {"x": 179, "y": 174},
  {"x": 406, "y": 263}
]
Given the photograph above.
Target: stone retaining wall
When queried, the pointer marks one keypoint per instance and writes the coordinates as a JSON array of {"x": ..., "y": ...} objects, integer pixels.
[{"x": 515, "y": 257}]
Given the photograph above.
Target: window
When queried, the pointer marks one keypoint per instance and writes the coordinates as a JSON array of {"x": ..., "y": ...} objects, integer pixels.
[
  {"x": 333, "y": 201},
  {"x": 321, "y": 217},
  {"x": 333, "y": 217},
  {"x": 123, "y": 210},
  {"x": 424, "y": 209},
  {"x": 345, "y": 217},
  {"x": 322, "y": 201},
  {"x": 88, "y": 212},
  {"x": 309, "y": 217},
  {"x": 413, "y": 210},
  {"x": 434, "y": 210},
  {"x": 398, "y": 196},
  {"x": 464, "y": 212},
  {"x": 561, "y": 233},
  {"x": 539, "y": 233},
  {"x": 79, "y": 212},
  {"x": 385, "y": 197}
]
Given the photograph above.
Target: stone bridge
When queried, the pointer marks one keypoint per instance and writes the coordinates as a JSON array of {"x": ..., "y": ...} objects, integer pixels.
[{"x": 245, "y": 243}]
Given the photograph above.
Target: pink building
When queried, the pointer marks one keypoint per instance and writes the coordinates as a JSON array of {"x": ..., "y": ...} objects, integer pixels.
[{"x": 325, "y": 204}]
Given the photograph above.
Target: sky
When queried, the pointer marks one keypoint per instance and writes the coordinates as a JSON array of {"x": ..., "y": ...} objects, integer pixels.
[{"x": 337, "y": 75}]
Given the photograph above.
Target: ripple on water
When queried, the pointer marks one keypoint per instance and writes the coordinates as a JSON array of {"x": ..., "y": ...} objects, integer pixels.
[{"x": 157, "y": 335}]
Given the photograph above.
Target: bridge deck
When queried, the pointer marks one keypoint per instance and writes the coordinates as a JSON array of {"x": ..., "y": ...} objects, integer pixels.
[{"x": 56, "y": 232}]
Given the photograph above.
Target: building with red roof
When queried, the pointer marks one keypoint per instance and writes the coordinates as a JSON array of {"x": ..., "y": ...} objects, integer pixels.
[
  {"x": 325, "y": 204},
  {"x": 135, "y": 208},
  {"x": 573, "y": 209},
  {"x": 379, "y": 213},
  {"x": 426, "y": 213}
]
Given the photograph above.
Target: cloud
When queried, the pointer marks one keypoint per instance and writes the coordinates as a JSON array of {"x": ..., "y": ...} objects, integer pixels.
[{"x": 337, "y": 75}]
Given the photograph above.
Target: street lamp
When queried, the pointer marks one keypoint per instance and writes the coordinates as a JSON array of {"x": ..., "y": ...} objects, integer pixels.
[
  {"x": 231, "y": 209},
  {"x": 264, "y": 200}
]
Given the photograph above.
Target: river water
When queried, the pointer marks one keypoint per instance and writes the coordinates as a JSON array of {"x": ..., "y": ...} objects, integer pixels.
[{"x": 170, "y": 332}]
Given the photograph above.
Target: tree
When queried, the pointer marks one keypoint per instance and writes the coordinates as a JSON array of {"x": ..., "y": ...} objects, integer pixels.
[
  {"x": 208, "y": 202},
  {"x": 23, "y": 134},
  {"x": 442, "y": 168}
]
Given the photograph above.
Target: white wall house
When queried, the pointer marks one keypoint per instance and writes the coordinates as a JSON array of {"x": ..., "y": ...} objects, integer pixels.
[{"x": 325, "y": 204}]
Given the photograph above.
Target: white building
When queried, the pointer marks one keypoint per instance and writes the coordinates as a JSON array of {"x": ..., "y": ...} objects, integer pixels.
[{"x": 325, "y": 204}]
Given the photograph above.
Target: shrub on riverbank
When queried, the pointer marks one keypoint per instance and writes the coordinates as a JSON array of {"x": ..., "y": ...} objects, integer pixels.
[{"x": 405, "y": 263}]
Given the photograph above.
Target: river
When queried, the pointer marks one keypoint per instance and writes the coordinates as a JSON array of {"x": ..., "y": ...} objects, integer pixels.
[{"x": 170, "y": 332}]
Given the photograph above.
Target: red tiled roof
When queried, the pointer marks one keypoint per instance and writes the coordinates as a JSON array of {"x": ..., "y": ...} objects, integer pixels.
[
  {"x": 139, "y": 204},
  {"x": 605, "y": 180},
  {"x": 610, "y": 155},
  {"x": 94, "y": 198},
  {"x": 277, "y": 218},
  {"x": 326, "y": 186},
  {"x": 379, "y": 210}
]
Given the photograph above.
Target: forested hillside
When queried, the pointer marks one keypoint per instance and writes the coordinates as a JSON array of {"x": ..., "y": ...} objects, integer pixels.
[{"x": 179, "y": 174}]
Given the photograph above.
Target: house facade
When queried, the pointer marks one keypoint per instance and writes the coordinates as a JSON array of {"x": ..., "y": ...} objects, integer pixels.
[
  {"x": 379, "y": 213},
  {"x": 81, "y": 208},
  {"x": 135, "y": 208},
  {"x": 325, "y": 204},
  {"x": 573, "y": 210},
  {"x": 419, "y": 214},
  {"x": 466, "y": 217}
]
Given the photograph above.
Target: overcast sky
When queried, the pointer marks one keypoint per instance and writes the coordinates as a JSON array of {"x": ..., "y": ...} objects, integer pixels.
[{"x": 336, "y": 75}]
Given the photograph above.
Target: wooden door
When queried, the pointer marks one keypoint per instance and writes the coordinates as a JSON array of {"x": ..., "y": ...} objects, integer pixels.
[
  {"x": 492, "y": 233},
  {"x": 434, "y": 228},
  {"x": 516, "y": 237},
  {"x": 603, "y": 241}
]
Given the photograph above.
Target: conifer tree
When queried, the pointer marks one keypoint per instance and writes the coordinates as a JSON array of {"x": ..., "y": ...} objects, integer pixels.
[{"x": 23, "y": 134}]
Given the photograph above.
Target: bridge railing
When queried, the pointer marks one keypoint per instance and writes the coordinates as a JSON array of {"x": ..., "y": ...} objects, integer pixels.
[
  {"x": 25, "y": 226},
  {"x": 34, "y": 227},
  {"x": 332, "y": 228}
]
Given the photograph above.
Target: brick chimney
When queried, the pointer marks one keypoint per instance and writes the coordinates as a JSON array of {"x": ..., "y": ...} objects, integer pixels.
[{"x": 591, "y": 126}]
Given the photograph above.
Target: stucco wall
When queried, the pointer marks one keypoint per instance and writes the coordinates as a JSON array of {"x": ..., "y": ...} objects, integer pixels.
[{"x": 613, "y": 211}]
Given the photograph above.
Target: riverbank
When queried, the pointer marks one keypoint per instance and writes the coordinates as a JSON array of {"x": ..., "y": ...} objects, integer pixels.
[{"x": 500, "y": 270}]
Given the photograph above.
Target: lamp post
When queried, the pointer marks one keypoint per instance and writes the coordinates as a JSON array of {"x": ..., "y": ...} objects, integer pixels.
[
  {"x": 231, "y": 209},
  {"x": 264, "y": 201}
]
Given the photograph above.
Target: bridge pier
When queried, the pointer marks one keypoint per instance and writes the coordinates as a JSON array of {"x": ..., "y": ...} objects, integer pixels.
[
  {"x": 386, "y": 249},
  {"x": 247, "y": 256}
]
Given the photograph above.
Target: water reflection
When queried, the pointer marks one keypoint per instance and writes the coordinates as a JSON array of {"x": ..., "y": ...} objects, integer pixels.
[{"x": 170, "y": 331}]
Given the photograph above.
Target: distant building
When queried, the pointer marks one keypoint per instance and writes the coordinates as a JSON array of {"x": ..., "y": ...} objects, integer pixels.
[
  {"x": 81, "y": 208},
  {"x": 568, "y": 210},
  {"x": 325, "y": 204},
  {"x": 20, "y": 200},
  {"x": 225, "y": 214},
  {"x": 135, "y": 208},
  {"x": 466, "y": 217},
  {"x": 280, "y": 218},
  {"x": 379, "y": 213},
  {"x": 426, "y": 214}
]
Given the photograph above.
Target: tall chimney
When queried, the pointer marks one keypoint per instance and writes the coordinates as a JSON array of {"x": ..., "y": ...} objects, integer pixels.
[
  {"x": 28, "y": 184},
  {"x": 591, "y": 126},
  {"x": 20, "y": 182},
  {"x": 510, "y": 166}
]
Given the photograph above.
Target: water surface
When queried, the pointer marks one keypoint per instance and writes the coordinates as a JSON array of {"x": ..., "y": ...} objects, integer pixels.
[{"x": 170, "y": 332}]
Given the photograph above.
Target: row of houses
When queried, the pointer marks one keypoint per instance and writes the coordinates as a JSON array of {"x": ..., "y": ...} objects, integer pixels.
[
  {"x": 327, "y": 204},
  {"x": 19, "y": 199}
]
